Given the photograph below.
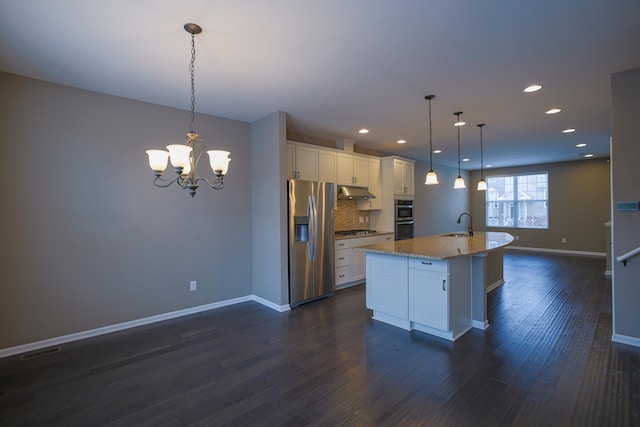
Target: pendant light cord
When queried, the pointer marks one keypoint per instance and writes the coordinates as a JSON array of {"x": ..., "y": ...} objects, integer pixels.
[
  {"x": 430, "y": 137},
  {"x": 481, "y": 154},
  {"x": 458, "y": 114}
]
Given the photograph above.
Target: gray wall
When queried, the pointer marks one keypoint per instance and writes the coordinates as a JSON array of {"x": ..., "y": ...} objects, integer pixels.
[
  {"x": 270, "y": 259},
  {"x": 437, "y": 207},
  {"x": 579, "y": 205},
  {"x": 87, "y": 239},
  {"x": 625, "y": 154}
]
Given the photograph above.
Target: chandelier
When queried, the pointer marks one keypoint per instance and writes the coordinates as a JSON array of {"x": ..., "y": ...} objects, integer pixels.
[{"x": 185, "y": 157}]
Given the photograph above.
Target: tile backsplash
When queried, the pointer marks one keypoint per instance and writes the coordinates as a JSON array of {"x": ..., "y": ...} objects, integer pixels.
[{"x": 347, "y": 216}]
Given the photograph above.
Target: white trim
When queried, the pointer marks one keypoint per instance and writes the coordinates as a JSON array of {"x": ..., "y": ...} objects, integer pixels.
[
  {"x": 480, "y": 325},
  {"x": 37, "y": 345},
  {"x": 558, "y": 251},
  {"x": 625, "y": 339},
  {"x": 495, "y": 284},
  {"x": 273, "y": 306}
]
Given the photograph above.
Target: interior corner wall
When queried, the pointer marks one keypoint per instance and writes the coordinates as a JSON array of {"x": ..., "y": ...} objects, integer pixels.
[
  {"x": 269, "y": 219},
  {"x": 625, "y": 184},
  {"x": 437, "y": 207},
  {"x": 579, "y": 206},
  {"x": 87, "y": 240}
]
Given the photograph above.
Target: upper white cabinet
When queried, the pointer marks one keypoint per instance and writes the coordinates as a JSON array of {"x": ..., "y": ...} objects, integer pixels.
[
  {"x": 352, "y": 170},
  {"x": 375, "y": 187},
  {"x": 326, "y": 165},
  {"x": 403, "y": 180},
  {"x": 302, "y": 162}
]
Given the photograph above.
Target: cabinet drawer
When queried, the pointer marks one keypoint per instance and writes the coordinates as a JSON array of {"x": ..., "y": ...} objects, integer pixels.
[
  {"x": 438, "y": 265},
  {"x": 343, "y": 275},
  {"x": 343, "y": 244},
  {"x": 343, "y": 257}
]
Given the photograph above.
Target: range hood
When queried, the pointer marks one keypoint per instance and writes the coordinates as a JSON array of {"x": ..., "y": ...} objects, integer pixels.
[{"x": 346, "y": 192}]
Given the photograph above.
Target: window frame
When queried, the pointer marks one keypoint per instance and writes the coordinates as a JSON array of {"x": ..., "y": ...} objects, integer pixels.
[{"x": 515, "y": 203}]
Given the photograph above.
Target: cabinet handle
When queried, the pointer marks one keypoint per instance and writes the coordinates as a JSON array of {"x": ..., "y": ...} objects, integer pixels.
[
  {"x": 444, "y": 285},
  {"x": 341, "y": 275},
  {"x": 340, "y": 258},
  {"x": 427, "y": 263}
]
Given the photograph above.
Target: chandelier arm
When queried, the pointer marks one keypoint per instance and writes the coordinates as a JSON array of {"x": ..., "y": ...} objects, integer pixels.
[
  {"x": 216, "y": 183},
  {"x": 159, "y": 180}
]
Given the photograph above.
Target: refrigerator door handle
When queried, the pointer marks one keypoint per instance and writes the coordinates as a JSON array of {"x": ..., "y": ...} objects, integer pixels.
[{"x": 311, "y": 244}]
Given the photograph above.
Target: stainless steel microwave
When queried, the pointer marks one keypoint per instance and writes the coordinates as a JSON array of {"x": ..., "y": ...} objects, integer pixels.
[{"x": 404, "y": 210}]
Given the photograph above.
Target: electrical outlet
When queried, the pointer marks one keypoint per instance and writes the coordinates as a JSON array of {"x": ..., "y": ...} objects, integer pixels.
[
  {"x": 193, "y": 285},
  {"x": 564, "y": 240},
  {"x": 361, "y": 219},
  {"x": 516, "y": 237},
  {"x": 385, "y": 270}
]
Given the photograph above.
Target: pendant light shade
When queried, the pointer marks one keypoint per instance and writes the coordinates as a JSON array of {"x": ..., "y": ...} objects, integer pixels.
[
  {"x": 431, "y": 178},
  {"x": 459, "y": 180},
  {"x": 482, "y": 185}
]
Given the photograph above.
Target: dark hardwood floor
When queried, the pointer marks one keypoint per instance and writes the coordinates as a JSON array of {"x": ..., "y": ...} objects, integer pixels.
[{"x": 547, "y": 359}]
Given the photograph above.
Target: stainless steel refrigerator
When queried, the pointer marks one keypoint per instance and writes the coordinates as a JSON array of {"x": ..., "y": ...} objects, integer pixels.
[{"x": 311, "y": 247}]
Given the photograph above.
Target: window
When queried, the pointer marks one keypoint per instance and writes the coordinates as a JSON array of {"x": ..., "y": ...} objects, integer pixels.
[{"x": 518, "y": 201}]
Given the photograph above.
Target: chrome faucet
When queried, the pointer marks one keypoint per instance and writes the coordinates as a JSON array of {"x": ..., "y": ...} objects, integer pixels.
[{"x": 470, "y": 227}]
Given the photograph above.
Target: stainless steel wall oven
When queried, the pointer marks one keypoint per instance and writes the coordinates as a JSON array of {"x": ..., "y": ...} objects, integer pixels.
[{"x": 404, "y": 219}]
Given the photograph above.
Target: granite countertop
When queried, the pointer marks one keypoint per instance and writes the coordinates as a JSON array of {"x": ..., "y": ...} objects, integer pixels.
[
  {"x": 443, "y": 246},
  {"x": 377, "y": 233}
]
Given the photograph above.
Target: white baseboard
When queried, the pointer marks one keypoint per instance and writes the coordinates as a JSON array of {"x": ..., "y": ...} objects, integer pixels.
[
  {"x": 557, "y": 251},
  {"x": 37, "y": 345},
  {"x": 624, "y": 339},
  {"x": 495, "y": 285},
  {"x": 477, "y": 324}
]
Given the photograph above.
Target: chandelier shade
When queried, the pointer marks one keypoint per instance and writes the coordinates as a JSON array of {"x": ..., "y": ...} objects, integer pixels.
[{"x": 185, "y": 157}]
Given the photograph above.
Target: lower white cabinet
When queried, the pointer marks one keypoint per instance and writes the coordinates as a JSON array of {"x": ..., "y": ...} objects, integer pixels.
[
  {"x": 350, "y": 261},
  {"x": 429, "y": 293}
]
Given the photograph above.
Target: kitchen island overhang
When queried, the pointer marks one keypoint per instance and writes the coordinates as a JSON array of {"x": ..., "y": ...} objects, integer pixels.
[{"x": 434, "y": 284}]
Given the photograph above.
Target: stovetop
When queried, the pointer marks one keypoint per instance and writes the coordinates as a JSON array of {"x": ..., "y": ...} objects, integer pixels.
[{"x": 355, "y": 232}]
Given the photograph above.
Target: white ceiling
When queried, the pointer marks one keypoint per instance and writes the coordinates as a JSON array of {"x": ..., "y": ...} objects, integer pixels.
[{"x": 337, "y": 65}]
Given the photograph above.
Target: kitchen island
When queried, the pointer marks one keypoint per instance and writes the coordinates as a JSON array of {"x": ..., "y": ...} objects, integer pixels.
[{"x": 434, "y": 284}]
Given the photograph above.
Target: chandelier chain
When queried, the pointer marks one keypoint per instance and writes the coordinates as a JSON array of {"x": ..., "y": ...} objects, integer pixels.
[{"x": 193, "y": 90}]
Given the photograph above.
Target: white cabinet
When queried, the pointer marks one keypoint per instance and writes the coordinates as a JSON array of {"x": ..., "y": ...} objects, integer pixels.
[
  {"x": 302, "y": 162},
  {"x": 350, "y": 262},
  {"x": 387, "y": 291},
  {"x": 326, "y": 165},
  {"x": 403, "y": 180},
  {"x": 352, "y": 170},
  {"x": 429, "y": 293},
  {"x": 375, "y": 187}
]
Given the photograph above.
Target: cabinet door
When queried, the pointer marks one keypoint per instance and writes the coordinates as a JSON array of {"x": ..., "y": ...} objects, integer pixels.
[
  {"x": 358, "y": 271},
  {"x": 386, "y": 288},
  {"x": 429, "y": 298},
  {"x": 398, "y": 176},
  {"x": 326, "y": 166},
  {"x": 361, "y": 171},
  {"x": 375, "y": 184},
  {"x": 307, "y": 163},
  {"x": 408, "y": 178},
  {"x": 345, "y": 169},
  {"x": 291, "y": 161}
]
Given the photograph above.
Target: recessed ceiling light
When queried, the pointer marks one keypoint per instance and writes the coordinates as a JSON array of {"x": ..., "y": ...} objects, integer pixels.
[
  {"x": 437, "y": 151},
  {"x": 402, "y": 141},
  {"x": 363, "y": 130},
  {"x": 553, "y": 111},
  {"x": 569, "y": 130},
  {"x": 582, "y": 144},
  {"x": 466, "y": 159},
  {"x": 532, "y": 88},
  {"x": 488, "y": 166},
  {"x": 460, "y": 123},
  {"x": 589, "y": 155}
]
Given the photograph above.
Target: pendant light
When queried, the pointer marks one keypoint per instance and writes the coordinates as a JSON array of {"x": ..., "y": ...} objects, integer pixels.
[
  {"x": 459, "y": 181},
  {"x": 182, "y": 156},
  {"x": 482, "y": 185},
  {"x": 431, "y": 178}
]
